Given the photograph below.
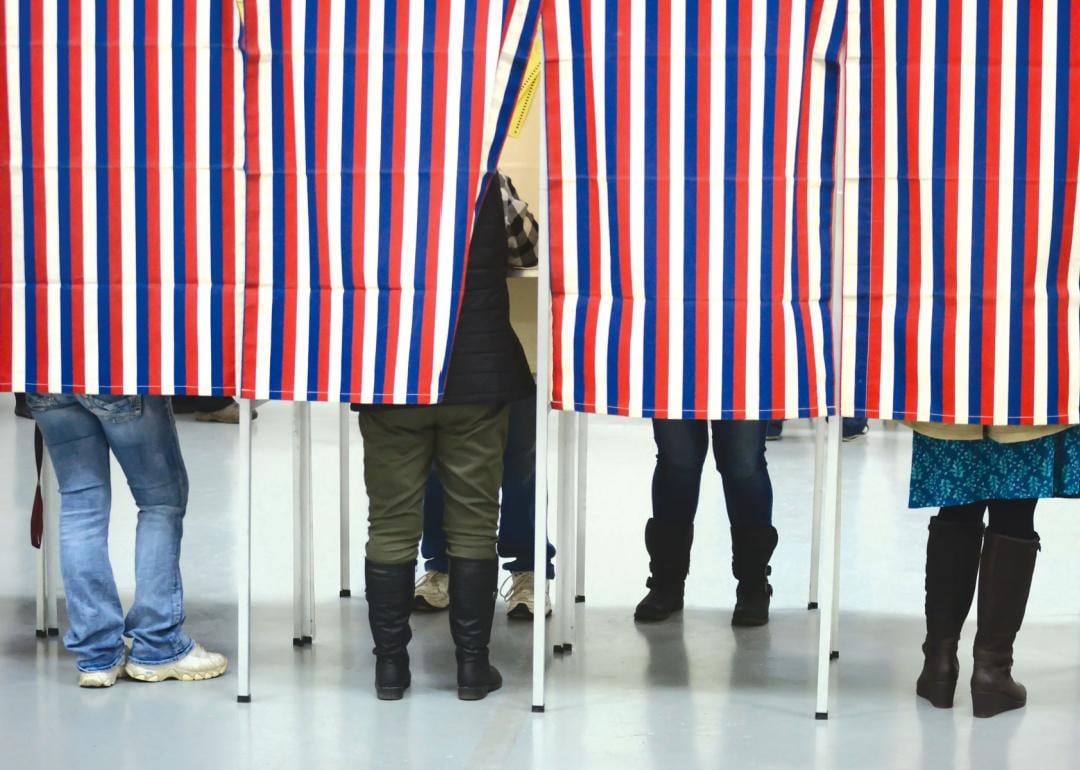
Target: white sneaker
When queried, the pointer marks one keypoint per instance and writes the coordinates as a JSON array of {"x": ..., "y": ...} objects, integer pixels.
[
  {"x": 520, "y": 598},
  {"x": 432, "y": 592},
  {"x": 196, "y": 666},
  {"x": 106, "y": 678}
]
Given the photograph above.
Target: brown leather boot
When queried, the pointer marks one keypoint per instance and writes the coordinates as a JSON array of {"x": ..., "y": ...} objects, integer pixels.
[
  {"x": 952, "y": 566},
  {"x": 1008, "y": 564}
]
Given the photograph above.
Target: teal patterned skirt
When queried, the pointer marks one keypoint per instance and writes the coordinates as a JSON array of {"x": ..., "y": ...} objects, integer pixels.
[{"x": 945, "y": 473}]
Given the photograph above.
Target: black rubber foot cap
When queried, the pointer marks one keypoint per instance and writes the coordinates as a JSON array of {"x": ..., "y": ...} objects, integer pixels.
[
  {"x": 811, "y": 606},
  {"x": 821, "y": 716},
  {"x": 567, "y": 649},
  {"x": 54, "y": 632},
  {"x": 307, "y": 641},
  {"x": 40, "y": 634},
  {"x": 297, "y": 642},
  {"x": 834, "y": 655},
  {"x": 345, "y": 593},
  {"x": 557, "y": 649},
  {"x": 243, "y": 699},
  {"x": 579, "y": 599},
  {"x": 538, "y": 709}
]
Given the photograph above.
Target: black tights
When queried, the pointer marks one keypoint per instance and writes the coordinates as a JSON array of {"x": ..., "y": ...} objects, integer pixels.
[{"x": 1012, "y": 518}]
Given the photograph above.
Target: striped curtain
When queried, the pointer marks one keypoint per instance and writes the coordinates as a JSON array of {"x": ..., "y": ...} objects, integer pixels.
[
  {"x": 691, "y": 147},
  {"x": 369, "y": 128},
  {"x": 121, "y": 195},
  {"x": 962, "y": 277}
]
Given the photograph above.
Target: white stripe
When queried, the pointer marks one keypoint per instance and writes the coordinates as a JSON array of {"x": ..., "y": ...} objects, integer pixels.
[
  {"x": 240, "y": 196},
  {"x": 1005, "y": 214},
  {"x": 603, "y": 290},
  {"x": 372, "y": 232},
  {"x": 18, "y": 232},
  {"x": 754, "y": 189},
  {"x": 303, "y": 221},
  {"x": 637, "y": 207},
  {"x": 891, "y": 229},
  {"x": 52, "y": 205},
  {"x": 676, "y": 213},
  {"x": 849, "y": 85},
  {"x": 1074, "y": 315},
  {"x": 334, "y": 148},
  {"x": 796, "y": 62},
  {"x": 89, "y": 197},
  {"x": 129, "y": 258},
  {"x": 926, "y": 175},
  {"x": 718, "y": 188},
  {"x": 267, "y": 182},
  {"x": 571, "y": 189},
  {"x": 204, "y": 377}
]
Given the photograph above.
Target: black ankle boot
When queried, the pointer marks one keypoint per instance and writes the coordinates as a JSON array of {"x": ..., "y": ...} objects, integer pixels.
[
  {"x": 952, "y": 566},
  {"x": 1008, "y": 564},
  {"x": 751, "y": 550},
  {"x": 669, "y": 562},
  {"x": 389, "y": 591},
  {"x": 472, "y": 608}
]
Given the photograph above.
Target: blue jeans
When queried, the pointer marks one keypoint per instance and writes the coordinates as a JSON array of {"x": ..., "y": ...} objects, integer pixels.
[
  {"x": 79, "y": 431},
  {"x": 517, "y": 520},
  {"x": 739, "y": 451}
]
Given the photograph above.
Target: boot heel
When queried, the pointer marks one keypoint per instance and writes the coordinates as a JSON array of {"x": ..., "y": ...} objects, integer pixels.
[
  {"x": 990, "y": 704},
  {"x": 390, "y": 693},
  {"x": 939, "y": 693},
  {"x": 472, "y": 693}
]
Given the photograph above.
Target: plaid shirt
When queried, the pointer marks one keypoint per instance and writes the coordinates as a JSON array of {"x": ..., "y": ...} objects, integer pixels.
[{"x": 522, "y": 231}]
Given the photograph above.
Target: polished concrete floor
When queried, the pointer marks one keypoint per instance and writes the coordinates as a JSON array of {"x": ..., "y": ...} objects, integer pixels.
[{"x": 688, "y": 693}]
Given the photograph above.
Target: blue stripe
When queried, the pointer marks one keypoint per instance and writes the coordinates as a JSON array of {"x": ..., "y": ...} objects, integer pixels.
[
  {"x": 1020, "y": 174},
  {"x": 30, "y": 254},
  {"x": 514, "y": 81},
  {"x": 101, "y": 68},
  {"x": 277, "y": 96},
  {"x": 311, "y": 46},
  {"x": 765, "y": 394},
  {"x": 423, "y": 202},
  {"x": 179, "y": 211},
  {"x": 349, "y": 174},
  {"x": 581, "y": 193},
  {"x": 865, "y": 203},
  {"x": 612, "y": 140},
  {"x": 691, "y": 256},
  {"x": 903, "y": 212},
  {"x": 1061, "y": 160},
  {"x": 650, "y": 255},
  {"x": 937, "y": 323},
  {"x": 386, "y": 196},
  {"x": 831, "y": 136},
  {"x": 63, "y": 179},
  {"x": 978, "y": 213},
  {"x": 217, "y": 202},
  {"x": 731, "y": 170},
  {"x": 142, "y": 236}
]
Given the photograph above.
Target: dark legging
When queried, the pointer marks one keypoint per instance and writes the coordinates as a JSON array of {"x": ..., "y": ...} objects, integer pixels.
[{"x": 1012, "y": 518}]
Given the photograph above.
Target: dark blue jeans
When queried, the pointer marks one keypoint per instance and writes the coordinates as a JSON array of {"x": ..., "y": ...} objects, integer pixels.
[
  {"x": 517, "y": 520},
  {"x": 739, "y": 450}
]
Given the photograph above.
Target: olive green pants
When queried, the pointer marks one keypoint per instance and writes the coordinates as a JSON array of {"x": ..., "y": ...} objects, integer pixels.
[{"x": 465, "y": 444}]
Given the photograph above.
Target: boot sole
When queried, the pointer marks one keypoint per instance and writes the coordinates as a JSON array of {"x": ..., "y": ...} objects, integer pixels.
[
  {"x": 742, "y": 621},
  {"x": 475, "y": 693},
  {"x": 990, "y": 704},
  {"x": 940, "y": 695},
  {"x": 144, "y": 675},
  {"x": 390, "y": 693}
]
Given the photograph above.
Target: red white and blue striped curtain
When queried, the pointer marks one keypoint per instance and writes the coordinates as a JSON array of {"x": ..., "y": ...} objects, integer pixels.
[
  {"x": 691, "y": 147},
  {"x": 370, "y": 126},
  {"x": 121, "y": 195},
  {"x": 962, "y": 275}
]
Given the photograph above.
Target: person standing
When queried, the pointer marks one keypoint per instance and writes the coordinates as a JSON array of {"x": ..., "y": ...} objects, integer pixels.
[
  {"x": 965, "y": 472},
  {"x": 739, "y": 451},
  {"x": 80, "y": 431}
]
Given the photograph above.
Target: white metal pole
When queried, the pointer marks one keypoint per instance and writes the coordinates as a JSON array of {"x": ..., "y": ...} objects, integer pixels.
[
  {"x": 543, "y": 403},
  {"x": 307, "y": 539},
  {"x": 298, "y": 525},
  {"x": 51, "y": 545},
  {"x": 40, "y": 625},
  {"x": 820, "y": 429},
  {"x": 243, "y": 622},
  {"x": 564, "y": 530},
  {"x": 834, "y": 646},
  {"x": 826, "y": 594},
  {"x": 582, "y": 503},
  {"x": 344, "y": 502}
]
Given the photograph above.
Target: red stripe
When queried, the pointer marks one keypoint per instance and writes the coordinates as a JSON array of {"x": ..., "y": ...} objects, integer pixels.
[
  {"x": 663, "y": 205},
  {"x": 228, "y": 200},
  {"x": 41, "y": 275},
  {"x": 78, "y": 338},
  {"x": 877, "y": 237},
  {"x": 988, "y": 370},
  {"x": 397, "y": 195},
  {"x": 322, "y": 108},
  {"x": 626, "y": 277},
  {"x": 779, "y": 214},
  {"x": 253, "y": 128},
  {"x": 191, "y": 197},
  {"x": 704, "y": 159},
  {"x": 7, "y": 300},
  {"x": 435, "y": 205},
  {"x": 742, "y": 210},
  {"x": 153, "y": 197},
  {"x": 912, "y": 373},
  {"x": 288, "y": 358},
  {"x": 360, "y": 126},
  {"x": 591, "y": 308},
  {"x": 952, "y": 170},
  {"x": 1031, "y": 212},
  {"x": 557, "y": 172},
  {"x": 1069, "y": 223}
]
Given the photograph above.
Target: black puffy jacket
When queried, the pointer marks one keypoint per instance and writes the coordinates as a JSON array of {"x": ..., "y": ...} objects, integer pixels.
[{"x": 487, "y": 363}]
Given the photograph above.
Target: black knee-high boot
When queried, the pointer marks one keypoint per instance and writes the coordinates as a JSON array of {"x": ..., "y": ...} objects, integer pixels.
[
  {"x": 472, "y": 607},
  {"x": 389, "y": 591}
]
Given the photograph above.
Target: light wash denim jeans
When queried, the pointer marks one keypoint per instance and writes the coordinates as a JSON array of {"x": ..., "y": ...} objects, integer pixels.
[{"x": 79, "y": 431}]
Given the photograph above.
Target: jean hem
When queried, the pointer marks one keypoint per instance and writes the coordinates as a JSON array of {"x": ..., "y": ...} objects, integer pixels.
[
  {"x": 187, "y": 650},
  {"x": 96, "y": 669}
]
